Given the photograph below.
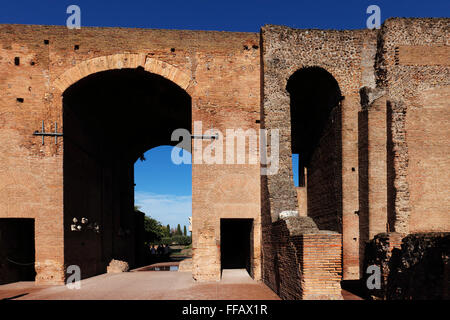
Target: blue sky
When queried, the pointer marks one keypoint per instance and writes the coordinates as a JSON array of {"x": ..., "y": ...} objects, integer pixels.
[
  {"x": 163, "y": 189},
  {"x": 230, "y": 15}
]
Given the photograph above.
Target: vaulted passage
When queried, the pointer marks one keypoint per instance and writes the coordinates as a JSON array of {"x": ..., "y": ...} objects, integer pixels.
[
  {"x": 235, "y": 243},
  {"x": 17, "y": 250},
  {"x": 110, "y": 119},
  {"x": 316, "y": 138}
]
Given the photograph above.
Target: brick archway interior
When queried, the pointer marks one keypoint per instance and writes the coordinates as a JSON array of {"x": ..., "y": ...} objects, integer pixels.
[
  {"x": 315, "y": 112},
  {"x": 110, "y": 119}
]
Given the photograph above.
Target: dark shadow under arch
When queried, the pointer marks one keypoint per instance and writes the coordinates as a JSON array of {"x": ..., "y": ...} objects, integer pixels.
[
  {"x": 315, "y": 109},
  {"x": 110, "y": 119}
]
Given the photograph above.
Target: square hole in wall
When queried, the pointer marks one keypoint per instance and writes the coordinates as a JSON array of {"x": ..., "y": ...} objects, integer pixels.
[{"x": 17, "y": 239}]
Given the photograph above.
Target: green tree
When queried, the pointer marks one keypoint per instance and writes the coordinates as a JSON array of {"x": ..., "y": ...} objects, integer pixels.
[
  {"x": 181, "y": 240},
  {"x": 185, "y": 231},
  {"x": 153, "y": 230},
  {"x": 179, "y": 230},
  {"x": 168, "y": 231}
]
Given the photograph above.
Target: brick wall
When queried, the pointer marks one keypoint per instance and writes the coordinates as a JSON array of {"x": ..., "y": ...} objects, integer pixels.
[
  {"x": 31, "y": 173},
  {"x": 324, "y": 189},
  {"x": 302, "y": 197},
  {"x": 303, "y": 264},
  {"x": 321, "y": 265},
  {"x": 233, "y": 84},
  {"x": 348, "y": 56},
  {"x": 427, "y": 125},
  {"x": 372, "y": 128},
  {"x": 412, "y": 65},
  {"x": 219, "y": 70},
  {"x": 281, "y": 270}
]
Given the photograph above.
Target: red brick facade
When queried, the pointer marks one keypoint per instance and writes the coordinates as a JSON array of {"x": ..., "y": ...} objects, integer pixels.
[{"x": 380, "y": 164}]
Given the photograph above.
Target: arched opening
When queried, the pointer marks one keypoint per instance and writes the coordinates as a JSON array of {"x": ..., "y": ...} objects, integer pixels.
[
  {"x": 316, "y": 145},
  {"x": 110, "y": 119},
  {"x": 163, "y": 191}
]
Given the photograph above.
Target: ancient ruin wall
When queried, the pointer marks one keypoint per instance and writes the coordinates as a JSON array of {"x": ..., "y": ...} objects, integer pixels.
[
  {"x": 306, "y": 263},
  {"x": 413, "y": 67},
  {"x": 348, "y": 56},
  {"x": 324, "y": 189},
  {"x": 416, "y": 267},
  {"x": 220, "y": 71},
  {"x": 31, "y": 173}
]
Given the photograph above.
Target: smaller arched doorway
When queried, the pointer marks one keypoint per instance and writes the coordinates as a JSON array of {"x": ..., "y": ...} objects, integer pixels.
[{"x": 317, "y": 145}]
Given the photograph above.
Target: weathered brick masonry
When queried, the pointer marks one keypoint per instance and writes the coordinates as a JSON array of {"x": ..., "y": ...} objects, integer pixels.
[
  {"x": 220, "y": 72},
  {"x": 347, "y": 56},
  {"x": 366, "y": 110},
  {"x": 413, "y": 67},
  {"x": 306, "y": 263},
  {"x": 388, "y": 173}
]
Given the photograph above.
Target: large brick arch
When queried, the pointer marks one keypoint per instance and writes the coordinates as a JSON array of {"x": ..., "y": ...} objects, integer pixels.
[{"x": 123, "y": 61}]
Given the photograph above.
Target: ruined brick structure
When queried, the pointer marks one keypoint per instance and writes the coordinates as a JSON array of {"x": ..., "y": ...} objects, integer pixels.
[{"x": 366, "y": 110}]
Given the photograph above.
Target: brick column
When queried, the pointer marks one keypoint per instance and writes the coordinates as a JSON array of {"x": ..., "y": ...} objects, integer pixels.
[
  {"x": 377, "y": 171},
  {"x": 350, "y": 193},
  {"x": 321, "y": 266}
]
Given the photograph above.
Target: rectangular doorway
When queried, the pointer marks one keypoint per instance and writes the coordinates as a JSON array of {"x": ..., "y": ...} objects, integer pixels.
[
  {"x": 236, "y": 243},
  {"x": 17, "y": 251}
]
